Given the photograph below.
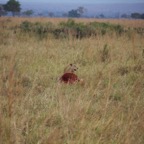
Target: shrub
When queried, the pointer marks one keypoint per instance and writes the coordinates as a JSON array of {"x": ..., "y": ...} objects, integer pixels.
[
  {"x": 39, "y": 29},
  {"x": 118, "y": 29},
  {"x": 26, "y": 26},
  {"x": 71, "y": 29}
]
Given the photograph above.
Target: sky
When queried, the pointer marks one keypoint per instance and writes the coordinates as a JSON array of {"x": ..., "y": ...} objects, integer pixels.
[
  {"x": 92, "y": 6},
  {"x": 79, "y": 1}
]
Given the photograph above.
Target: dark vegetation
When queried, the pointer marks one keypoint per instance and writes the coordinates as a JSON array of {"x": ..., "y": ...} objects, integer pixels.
[
  {"x": 12, "y": 6},
  {"x": 70, "y": 28},
  {"x": 137, "y": 15}
]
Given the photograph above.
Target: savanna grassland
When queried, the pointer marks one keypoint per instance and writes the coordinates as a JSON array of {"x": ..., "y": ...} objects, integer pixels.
[{"x": 107, "y": 109}]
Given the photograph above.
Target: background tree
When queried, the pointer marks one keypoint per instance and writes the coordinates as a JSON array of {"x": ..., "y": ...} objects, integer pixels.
[
  {"x": 77, "y": 12},
  {"x": 101, "y": 16},
  {"x": 12, "y": 6},
  {"x": 51, "y": 14},
  {"x": 142, "y": 16},
  {"x": 136, "y": 15},
  {"x": 73, "y": 13},
  {"x": 2, "y": 11},
  {"x": 81, "y": 10},
  {"x": 28, "y": 12}
]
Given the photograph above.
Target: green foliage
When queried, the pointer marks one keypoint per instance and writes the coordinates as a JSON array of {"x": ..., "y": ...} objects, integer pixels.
[
  {"x": 12, "y": 6},
  {"x": 76, "y": 12},
  {"x": 91, "y": 29},
  {"x": 71, "y": 28},
  {"x": 69, "y": 23},
  {"x": 103, "y": 28},
  {"x": 81, "y": 10},
  {"x": 37, "y": 28},
  {"x": 73, "y": 13},
  {"x": 26, "y": 26},
  {"x": 2, "y": 11},
  {"x": 136, "y": 15},
  {"x": 28, "y": 12},
  {"x": 118, "y": 29}
]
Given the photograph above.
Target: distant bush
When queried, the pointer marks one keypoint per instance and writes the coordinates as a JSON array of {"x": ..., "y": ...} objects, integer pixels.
[
  {"x": 26, "y": 26},
  {"x": 81, "y": 30},
  {"x": 103, "y": 28},
  {"x": 118, "y": 29},
  {"x": 71, "y": 29},
  {"x": 39, "y": 29}
]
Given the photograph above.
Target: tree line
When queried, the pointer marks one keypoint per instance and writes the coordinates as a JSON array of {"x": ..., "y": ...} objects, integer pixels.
[{"x": 14, "y": 7}]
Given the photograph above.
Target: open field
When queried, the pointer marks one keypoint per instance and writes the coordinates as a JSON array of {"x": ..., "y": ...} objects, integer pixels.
[
  {"x": 36, "y": 109},
  {"x": 125, "y": 22}
]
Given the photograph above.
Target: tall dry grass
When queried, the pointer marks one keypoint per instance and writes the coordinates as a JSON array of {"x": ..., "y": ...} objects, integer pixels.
[
  {"x": 125, "y": 22},
  {"x": 34, "y": 108}
]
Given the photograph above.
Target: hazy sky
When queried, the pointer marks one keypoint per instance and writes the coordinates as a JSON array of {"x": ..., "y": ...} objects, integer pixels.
[
  {"x": 80, "y": 1},
  {"x": 92, "y": 6}
]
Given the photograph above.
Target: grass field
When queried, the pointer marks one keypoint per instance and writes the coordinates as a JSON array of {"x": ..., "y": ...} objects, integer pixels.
[{"x": 36, "y": 109}]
